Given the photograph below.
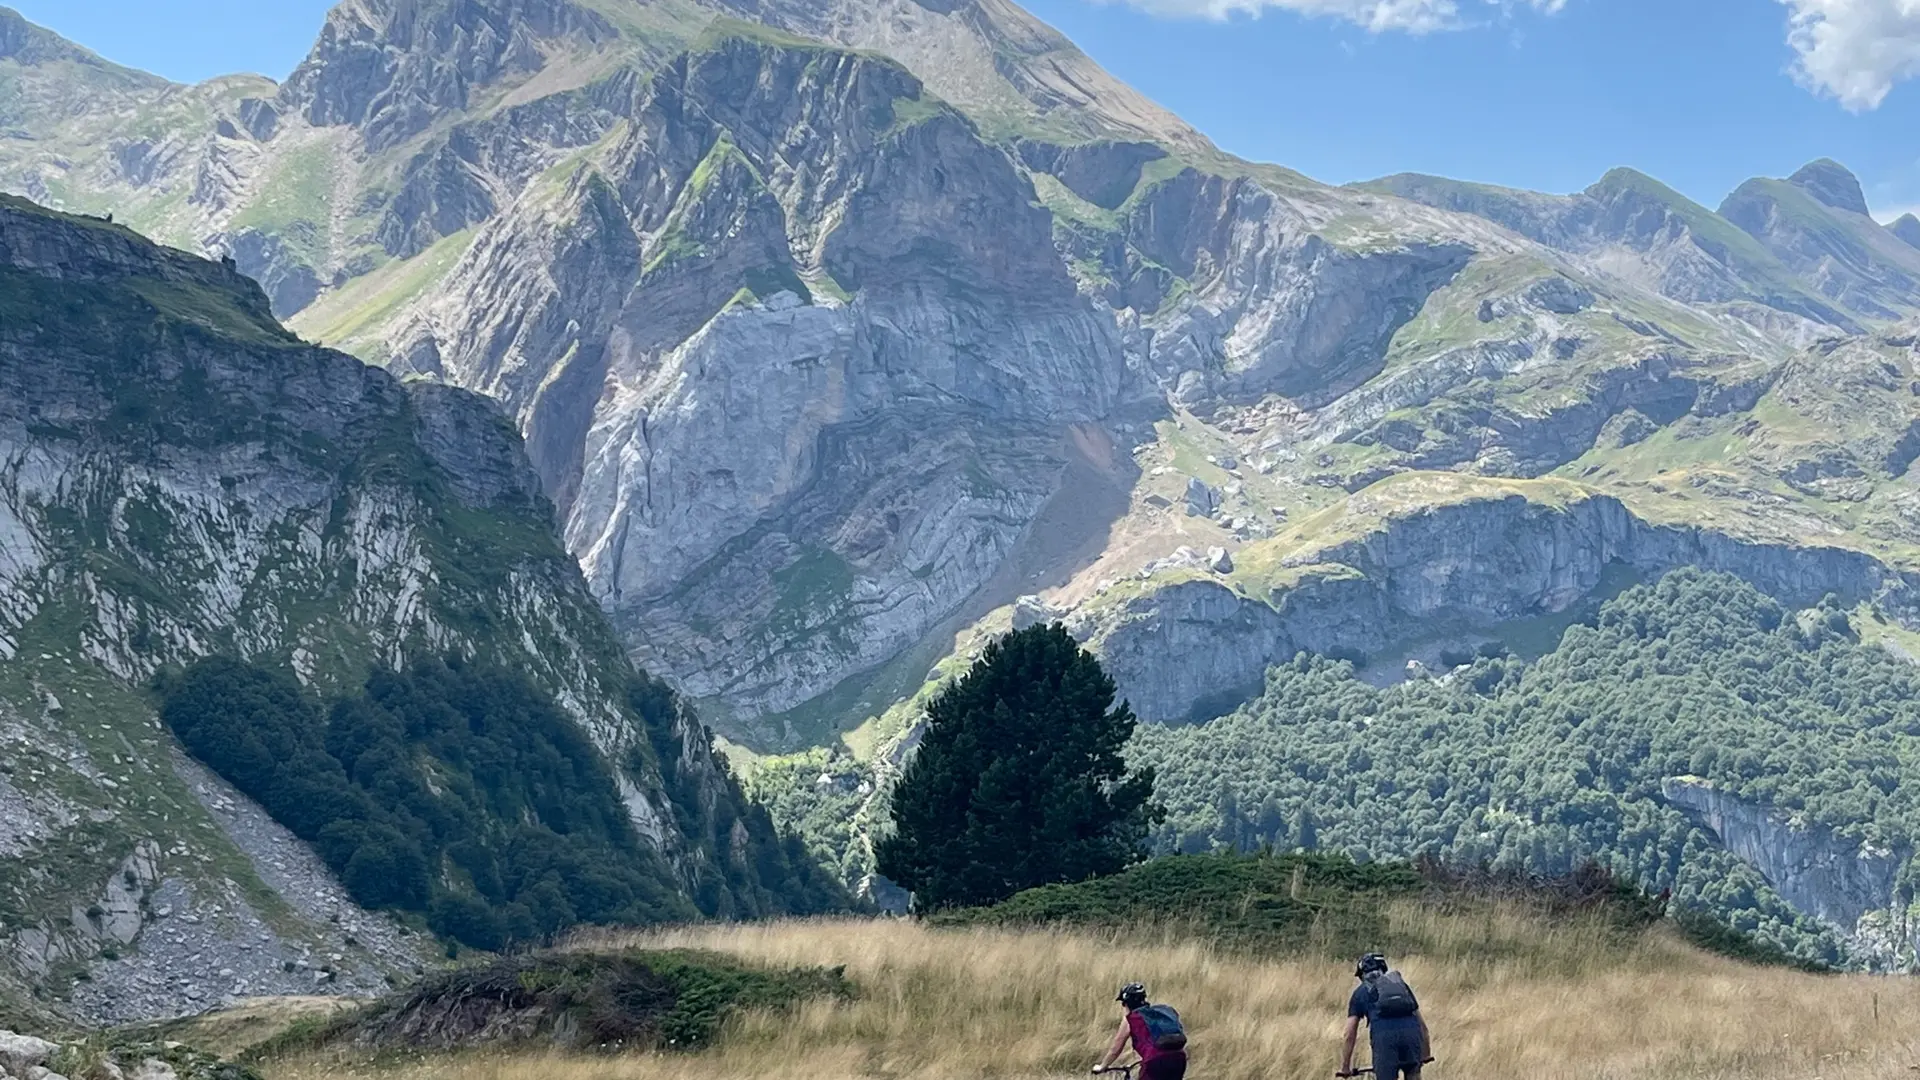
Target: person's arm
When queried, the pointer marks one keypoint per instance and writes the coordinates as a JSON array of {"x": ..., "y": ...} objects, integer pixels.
[
  {"x": 1426, "y": 1039},
  {"x": 1116, "y": 1048},
  {"x": 1346, "y": 1048}
]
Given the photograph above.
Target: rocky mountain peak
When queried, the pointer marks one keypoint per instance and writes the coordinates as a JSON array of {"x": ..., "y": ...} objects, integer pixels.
[
  {"x": 1013, "y": 73},
  {"x": 1907, "y": 228},
  {"x": 93, "y": 250},
  {"x": 393, "y": 66},
  {"x": 1830, "y": 182},
  {"x": 31, "y": 45}
]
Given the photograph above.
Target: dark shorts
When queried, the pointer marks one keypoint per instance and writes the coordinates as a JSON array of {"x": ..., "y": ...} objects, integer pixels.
[
  {"x": 1398, "y": 1051},
  {"x": 1165, "y": 1067}
]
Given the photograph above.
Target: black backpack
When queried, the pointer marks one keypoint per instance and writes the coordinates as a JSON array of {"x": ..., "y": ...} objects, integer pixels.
[
  {"x": 1163, "y": 1027},
  {"x": 1392, "y": 998}
]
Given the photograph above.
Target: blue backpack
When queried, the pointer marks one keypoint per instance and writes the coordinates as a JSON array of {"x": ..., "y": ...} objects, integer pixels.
[{"x": 1163, "y": 1027}]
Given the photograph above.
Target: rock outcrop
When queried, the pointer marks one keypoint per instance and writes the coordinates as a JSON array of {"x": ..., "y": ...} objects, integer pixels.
[
  {"x": 1849, "y": 885},
  {"x": 1191, "y": 649},
  {"x": 1815, "y": 223},
  {"x": 834, "y": 329},
  {"x": 180, "y": 476}
]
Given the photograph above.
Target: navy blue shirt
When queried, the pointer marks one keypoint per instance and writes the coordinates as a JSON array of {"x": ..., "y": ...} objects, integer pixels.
[{"x": 1366, "y": 1002}]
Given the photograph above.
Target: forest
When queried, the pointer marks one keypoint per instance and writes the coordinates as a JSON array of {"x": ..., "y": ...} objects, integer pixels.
[
  {"x": 463, "y": 794},
  {"x": 1541, "y": 766}
]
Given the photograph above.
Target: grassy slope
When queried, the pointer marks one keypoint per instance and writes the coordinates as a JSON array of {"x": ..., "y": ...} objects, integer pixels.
[{"x": 1510, "y": 997}]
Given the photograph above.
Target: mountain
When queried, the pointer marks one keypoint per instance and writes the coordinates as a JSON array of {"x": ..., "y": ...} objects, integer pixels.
[
  {"x": 1816, "y": 223},
  {"x": 1634, "y": 226},
  {"x": 1653, "y": 735},
  {"x": 181, "y": 478},
  {"x": 1019, "y": 78},
  {"x": 1907, "y": 228},
  {"x": 843, "y": 336}
]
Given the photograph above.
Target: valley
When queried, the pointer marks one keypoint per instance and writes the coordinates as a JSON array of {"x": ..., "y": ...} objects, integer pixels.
[{"x": 710, "y": 381}]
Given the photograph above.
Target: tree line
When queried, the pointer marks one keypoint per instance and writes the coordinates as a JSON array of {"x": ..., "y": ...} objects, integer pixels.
[
  {"x": 1544, "y": 765},
  {"x": 464, "y": 794}
]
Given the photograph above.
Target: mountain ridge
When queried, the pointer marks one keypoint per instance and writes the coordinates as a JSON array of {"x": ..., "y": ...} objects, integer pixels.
[
  {"x": 181, "y": 478},
  {"x": 838, "y": 359}
]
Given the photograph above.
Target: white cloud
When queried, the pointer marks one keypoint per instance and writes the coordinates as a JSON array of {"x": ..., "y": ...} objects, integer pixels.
[
  {"x": 1412, "y": 16},
  {"x": 1855, "y": 50}
]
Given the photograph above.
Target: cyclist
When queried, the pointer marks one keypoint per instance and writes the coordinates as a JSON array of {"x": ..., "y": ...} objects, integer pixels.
[
  {"x": 1401, "y": 1043},
  {"x": 1155, "y": 1033}
]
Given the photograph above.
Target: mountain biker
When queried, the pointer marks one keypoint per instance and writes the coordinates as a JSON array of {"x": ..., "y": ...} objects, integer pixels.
[
  {"x": 1156, "y": 1036},
  {"x": 1401, "y": 1043}
]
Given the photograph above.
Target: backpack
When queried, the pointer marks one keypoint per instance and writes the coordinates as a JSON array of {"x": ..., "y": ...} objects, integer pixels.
[
  {"x": 1392, "y": 998},
  {"x": 1163, "y": 1027}
]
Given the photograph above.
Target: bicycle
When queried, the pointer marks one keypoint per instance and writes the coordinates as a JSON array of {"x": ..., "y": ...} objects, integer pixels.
[{"x": 1367, "y": 1070}]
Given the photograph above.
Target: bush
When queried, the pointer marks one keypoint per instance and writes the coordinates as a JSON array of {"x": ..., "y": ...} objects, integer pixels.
[{"x": 616, "y": 999}]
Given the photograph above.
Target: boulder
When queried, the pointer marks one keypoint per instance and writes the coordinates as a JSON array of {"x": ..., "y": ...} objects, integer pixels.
[
  {"x": 20, "y": 1053},
  {"x": 1219, "y": 561},
  {"x": 1202, "y": 499}
]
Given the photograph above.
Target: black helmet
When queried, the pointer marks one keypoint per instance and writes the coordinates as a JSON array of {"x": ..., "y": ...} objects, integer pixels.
[
  {"x": 1132, "y": 995},
  {"x": 1370, "y": 964}
]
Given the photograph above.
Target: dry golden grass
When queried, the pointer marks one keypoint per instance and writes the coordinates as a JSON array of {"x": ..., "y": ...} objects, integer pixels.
[
  {"x": 230, "y": 1031},
  {"x": 1507, "y": 998}
]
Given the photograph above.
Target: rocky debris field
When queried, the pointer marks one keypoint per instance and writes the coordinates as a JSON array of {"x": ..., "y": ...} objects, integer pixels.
[
  {"x": 203, "y": 949},
  {"x": 25, "y": 1057}
]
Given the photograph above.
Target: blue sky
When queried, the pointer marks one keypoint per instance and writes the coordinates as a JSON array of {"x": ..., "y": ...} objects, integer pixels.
[{"x": 1542, "y": 94}]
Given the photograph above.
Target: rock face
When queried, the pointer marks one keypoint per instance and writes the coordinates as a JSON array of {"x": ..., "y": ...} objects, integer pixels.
[
  {"x": 1816, "y": 224},
  {"x": 989, "y": 57},
  {"x": 1907, "y": 228},
  {"x": 822, "y": 353},
  {"x": 1191, "y": 650},
  {"x": 1831, "y": 185},
  {"x": 180, "y": 476},
  {"x": 1642, "y": 229},
  {"x": 1844, "y": 883},
  {"x": 836, "y": 328},
  {"x": 392, "y": 67}
]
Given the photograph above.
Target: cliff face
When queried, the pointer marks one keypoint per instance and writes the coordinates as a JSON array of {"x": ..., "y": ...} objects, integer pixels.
[
  {"x": 1848, "y": 885},
  {"x": 1464, "y": 556},
  {"x": 180, "y": 477},
  {"x": 835, "y": 329}
]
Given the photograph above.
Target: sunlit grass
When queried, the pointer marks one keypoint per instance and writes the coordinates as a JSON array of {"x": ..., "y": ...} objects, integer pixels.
[{"x": 1508, "y": 997}]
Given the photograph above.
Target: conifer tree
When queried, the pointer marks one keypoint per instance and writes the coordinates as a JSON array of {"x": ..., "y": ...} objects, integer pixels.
[{"x": 1020, "y": 780}]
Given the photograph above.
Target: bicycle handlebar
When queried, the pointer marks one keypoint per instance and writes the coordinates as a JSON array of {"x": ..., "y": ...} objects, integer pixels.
[{"x": 1366, "y": 1069}]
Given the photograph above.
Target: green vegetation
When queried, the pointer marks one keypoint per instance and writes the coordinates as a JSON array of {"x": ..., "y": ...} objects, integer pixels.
[
  {"x": 1019, "y": 780},
  {"x": 1328, "y": 904},
  {"x": 458, "y": 792},
  {"x": 1543, "y": 765},
  {"x": 438, "y": 768},
  {"x": 604, "y": 999},
  {"x": 353, "y": 318},
  {"x": 295, "y": 202},
  {"x": 753, "y": 868},
  {"x": 1260, "y": 901},
  {"x": 100, "y": 315},
  {"x": 908, "y": 112}
]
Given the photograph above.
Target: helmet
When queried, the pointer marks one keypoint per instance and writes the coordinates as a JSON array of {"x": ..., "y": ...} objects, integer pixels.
[
  {"x": 1370, "y": 964},
  {"x": 1132, "y": 995}
]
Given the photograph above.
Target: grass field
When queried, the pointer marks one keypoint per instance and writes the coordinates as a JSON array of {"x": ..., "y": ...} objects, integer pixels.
[{"x": 1565, "y": 1000}]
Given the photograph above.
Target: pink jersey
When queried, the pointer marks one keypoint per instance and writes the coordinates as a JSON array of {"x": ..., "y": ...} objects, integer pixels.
[{"x": 1143, "y": 1042}]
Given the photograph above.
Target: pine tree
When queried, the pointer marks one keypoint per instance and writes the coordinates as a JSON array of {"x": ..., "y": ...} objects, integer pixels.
[{"x": 1020, "y": 779}]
